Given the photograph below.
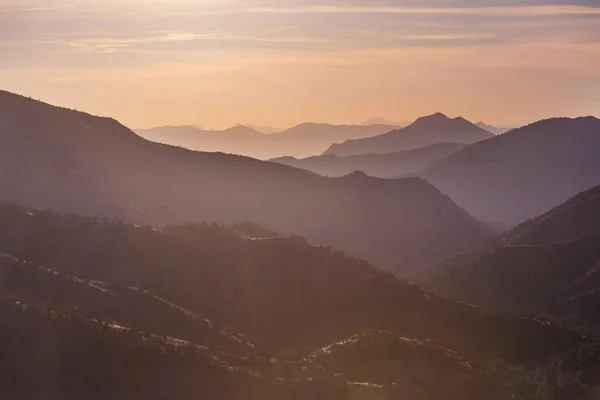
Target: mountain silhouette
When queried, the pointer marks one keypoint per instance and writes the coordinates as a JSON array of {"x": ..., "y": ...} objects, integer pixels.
[
  {"x": 548, "y": 264},
  {"x": 406, "y": 367},
  {"x": 522, "y": 173},
  {"x": 264, "y": 128},
  {"x": 383, "y": 121},
  {"x": 264, "y": 311},
  {"x": 380, "y": 165},
  {"x": 577, "y": 217},
  {"x": 493, "y": 129},
  {"x": 303, "y": 140},
  {"x": 69, "y": 161},
  {"x": 425, "y": 131}
]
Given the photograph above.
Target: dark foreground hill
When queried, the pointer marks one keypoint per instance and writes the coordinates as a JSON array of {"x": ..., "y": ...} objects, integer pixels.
[
  {"x": 547, "y": 265},
  {"x": 524, "y": 172},
  {"x": 405, "y": 368},
  {"x": 69, "y": 161},
  {"x": 425, "y": 131},
  {"x": 95, "y": 309},
  {"x": 380, "y": 165}
]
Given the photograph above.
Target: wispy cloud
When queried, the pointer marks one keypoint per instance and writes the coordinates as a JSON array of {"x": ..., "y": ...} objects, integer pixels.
[
  {"x": 521, "y": 11},
  {"x": 226, "y": 51}
]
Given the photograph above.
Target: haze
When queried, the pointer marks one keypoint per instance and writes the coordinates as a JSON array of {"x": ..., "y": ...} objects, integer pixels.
[{"x": 221, "y": 62}]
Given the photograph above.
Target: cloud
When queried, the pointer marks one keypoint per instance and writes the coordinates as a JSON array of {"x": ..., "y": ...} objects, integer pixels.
[
  {"x": 286, "y": 50},
  {"x": 521, "y": 11}
]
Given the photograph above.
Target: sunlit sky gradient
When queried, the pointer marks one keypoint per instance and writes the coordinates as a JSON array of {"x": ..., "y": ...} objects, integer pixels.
[{"x": 280, "y": 62}]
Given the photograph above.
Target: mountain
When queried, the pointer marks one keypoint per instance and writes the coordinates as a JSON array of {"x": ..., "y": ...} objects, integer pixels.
[
  {"x": 522, "y": 173},
  {"x": 67, "y": 161},
  {"x": 577, "y": 217},
  {"x": 383, "y": 121},
  {"x": 251, "y": 317},
  {"x": 561, "y": 279},
  {"x": 310, "y": 139},
  {"x": 380, "y": 165},
  {"x": 406, "y": 367},
  {"x": 67, "y": 338},
  {"x": 425, "y": 131},
  {"x": 548, "y": 264},
  {"x": 264, "y": 128},
  {"x": 236, "y": 140},
  {"x": 493, "y": 129},
  {"x": 301, "y": 141}
]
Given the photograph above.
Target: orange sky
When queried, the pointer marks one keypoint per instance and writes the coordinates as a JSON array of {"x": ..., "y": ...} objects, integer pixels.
[{"x": 280, "y": 62}]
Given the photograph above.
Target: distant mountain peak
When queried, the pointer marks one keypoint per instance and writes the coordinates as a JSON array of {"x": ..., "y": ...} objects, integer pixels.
[
  {"x": 382, "y": 121},
  {"x": 436, "y": 118},
  {"x": 266, "y": 129},
  {"x": 564, "y": 152},
  {"x": 241, "y": 129},
  {"x": 425, "y": 131},
  {"x": 493, "y": 129},
  {"x": 461, "y": 119},
  {"x": 441, "y": 118}
]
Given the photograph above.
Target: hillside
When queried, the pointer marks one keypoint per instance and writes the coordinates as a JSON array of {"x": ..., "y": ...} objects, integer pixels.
[
  {"x": 303, "y": 140},
  {"x": 425, "y": 131},
  {"x": 579, "y": 216},
  {"x": 524, "y": 172},
  {"x": 129, "y": 293},
  {"x": 558, "y": 279},
  {"x": 545, "y": 265},
  {"x": 379, "y": 165},
  {"x": 65, "y": 356},
  {"x": 68, "y": 161},
  {"x": 406, "y": 367}
]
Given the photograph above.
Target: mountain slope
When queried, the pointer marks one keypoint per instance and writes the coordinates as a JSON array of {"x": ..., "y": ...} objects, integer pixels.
[
  {"x": 493, "y": 129},
  {"x": 406, "y": 367},
  {"x": 109, "y": 291},
  {"x": 64, "y": 356},
  {"x": 383, "y": 121},
  {"x": 524, "y": 172},
  {"x": 380, "y": 165},
  {"x": 269, "y": 289},
  {"x": 425, "y": 131},
  {"x": 579, "y": 216},
  {"x": 73, "y": 162},
  {"x": 552, "y": 279},
  {"x": 302, "y": 141},
  {"x": 549, "y": 265}
]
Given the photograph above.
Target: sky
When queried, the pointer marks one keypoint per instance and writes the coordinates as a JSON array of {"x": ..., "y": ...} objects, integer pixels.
[{"x": 216, "y": 63}]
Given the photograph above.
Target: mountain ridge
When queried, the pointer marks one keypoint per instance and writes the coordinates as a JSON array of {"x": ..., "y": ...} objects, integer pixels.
[
  {"x": 75, "y": 166},
  {"x": 548, "y": 264},
  {"x": 550, "y": 161},
  {"x": 305, "y": 139},
  {"x": 388, "y": 165},
  {"x": 428, "y": 130},
  {"x": 310, "y": 317}
]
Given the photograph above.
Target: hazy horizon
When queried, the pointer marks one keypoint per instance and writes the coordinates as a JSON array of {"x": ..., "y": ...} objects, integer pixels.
[{"x": 218, "y": 63}]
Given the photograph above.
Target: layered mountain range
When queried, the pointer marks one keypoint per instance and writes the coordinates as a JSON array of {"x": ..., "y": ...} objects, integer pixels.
[
  {"x": 390, "y": 165},
  {"x": 548, "y": 265},
  {"x": 272, "y": 317},
  {"x": 303, "y": 140},
  {"x": 131, "y": 269},
  {"x": 425, "y": 131},
  {"x": 523, "y": 173},
  {"x": 70, "y": 161}
]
